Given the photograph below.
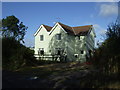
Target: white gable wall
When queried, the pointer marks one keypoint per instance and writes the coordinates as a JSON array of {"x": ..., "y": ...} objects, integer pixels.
[
  {"x": 44, "y": 43},
  {"x": 54, "y": 43},
  {"x": 90, "y": 41},
  {"x": 69, "y": 43}
]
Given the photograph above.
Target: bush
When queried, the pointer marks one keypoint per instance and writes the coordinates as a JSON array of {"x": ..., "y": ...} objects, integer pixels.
[
  {"x": 107, "y": 56},
  {"x": 15, "y": 55}
]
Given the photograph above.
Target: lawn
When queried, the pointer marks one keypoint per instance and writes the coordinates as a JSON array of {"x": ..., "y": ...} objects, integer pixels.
[{"x": 58, "y": 75}]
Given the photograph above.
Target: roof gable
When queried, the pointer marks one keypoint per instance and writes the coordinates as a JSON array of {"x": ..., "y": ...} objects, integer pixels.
[
  {"x": 67, "y": 28},
  {"x": 79, "y": 30},
  {"x": 82, "y": 30},
  {"x": 48, "y": 28}
]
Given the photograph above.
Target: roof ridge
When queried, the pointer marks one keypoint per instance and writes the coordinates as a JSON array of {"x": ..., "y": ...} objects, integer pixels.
[
  {"x": 48, "y": 28},
  {"x": 83, "y": 26},
  {"x": 72, "y": 29},
  {"x": 46, "y": 25},
  {"x": 64, "y": 24}
]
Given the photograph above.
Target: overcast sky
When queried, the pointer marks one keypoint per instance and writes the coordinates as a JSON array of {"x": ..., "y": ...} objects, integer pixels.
[{"x": 33, "y": 14}]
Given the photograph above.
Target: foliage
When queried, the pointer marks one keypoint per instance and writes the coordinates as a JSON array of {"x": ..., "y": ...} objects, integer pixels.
[
  {"x": 107, "y": 56},
  {"x": 15, "y": 55},
  {"x": 0, "y": 24},
  {"x": 113, "y": 30},
  {"x": 12, "y": 27}
]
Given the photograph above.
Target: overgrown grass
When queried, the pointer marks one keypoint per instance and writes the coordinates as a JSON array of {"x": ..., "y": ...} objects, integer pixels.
[
  {"x": 46, "y": 69},
  {"x": 69, "y": 75}
]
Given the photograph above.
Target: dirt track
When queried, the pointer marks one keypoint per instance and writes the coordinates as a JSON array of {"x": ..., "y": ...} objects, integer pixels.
[{"x": 65, "y": 75}]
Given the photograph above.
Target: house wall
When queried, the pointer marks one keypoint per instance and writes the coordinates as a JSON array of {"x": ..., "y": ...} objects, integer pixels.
[
  {"x": 80, "y": 46},
  {"x": 54, "y": 43},
  {"x": 42, "y": 44},
  {"x": 70, "y": 47},
  {"x": 70, "y": 44},
  {"x": 67, "y": 43},
  {"x": 90, "y": 40}
]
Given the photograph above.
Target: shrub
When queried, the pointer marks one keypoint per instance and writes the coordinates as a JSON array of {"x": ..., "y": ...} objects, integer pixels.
[{"x": 15, "y": 55}]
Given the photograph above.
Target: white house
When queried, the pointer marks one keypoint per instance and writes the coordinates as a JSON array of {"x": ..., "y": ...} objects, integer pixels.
[{"x": 67, "y": 43}]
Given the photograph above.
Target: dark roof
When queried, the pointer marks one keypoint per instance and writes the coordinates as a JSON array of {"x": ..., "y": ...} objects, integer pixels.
[
  {"x": 79, "y": 30},
  {"x": 48, "y": 28},
  {"x": 82, "y": 29},
  {"x": 67, "y": 28}
]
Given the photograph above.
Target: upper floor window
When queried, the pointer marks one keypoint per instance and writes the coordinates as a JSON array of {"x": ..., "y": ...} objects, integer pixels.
[
  {"x": 41, "y": 38},
  {"x": 81, "y": 37},
  {"x": 58, "y": 36}
]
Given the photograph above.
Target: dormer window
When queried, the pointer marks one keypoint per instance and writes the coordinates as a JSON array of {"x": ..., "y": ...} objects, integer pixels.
[
  {"x": 41, "y": 38},
  {"x": 58, "y": 36}
]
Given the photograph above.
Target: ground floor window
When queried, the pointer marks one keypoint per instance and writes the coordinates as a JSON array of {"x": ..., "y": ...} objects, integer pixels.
[
  {"x": 41, "y": 51},
  {"x": 90, "y": 51},
  {"x": 58, "y": 51},
  {"x": 82, "y": 52},
  {"x": 76, "y": 55}
]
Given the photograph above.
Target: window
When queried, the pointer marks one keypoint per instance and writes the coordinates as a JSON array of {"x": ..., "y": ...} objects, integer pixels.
[
  {"x": 81, "y": 37},
  {"x": 49, "y": 50},
  {"x": 90, "y": 52},
  {"x": 58, "y": 51},
  {"x": 82, "y": 52},
  {"x": 76, "y": 55},
  {"x": 41, "y": 51},
  {"x": 58, "y": 36},
  {"x": 41, "y": 37}
]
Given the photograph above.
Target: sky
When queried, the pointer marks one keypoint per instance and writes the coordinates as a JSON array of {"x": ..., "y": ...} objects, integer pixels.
[{"x": 33, "y": 14}]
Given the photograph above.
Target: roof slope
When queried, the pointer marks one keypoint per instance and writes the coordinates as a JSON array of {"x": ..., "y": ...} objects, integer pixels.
[
  {"x": 67, "y": 28},
  {"x": 79, "y": 30},
  {"x": 82, "y": 29},
  {"x": 48, "y": 28}
]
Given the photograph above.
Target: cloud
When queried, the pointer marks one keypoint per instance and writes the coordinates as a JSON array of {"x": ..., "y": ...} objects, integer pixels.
[
  {"x": 54, "y": 22},
  {"x": 99, "y": 30},
  {"x": 100, "y": 34},
  {"x": 108, "y": 9}
]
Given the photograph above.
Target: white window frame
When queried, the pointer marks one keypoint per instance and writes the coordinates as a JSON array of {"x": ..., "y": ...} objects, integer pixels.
[
  {"x": 58, "y": 36},
  {"x": 41, "y": 37}
]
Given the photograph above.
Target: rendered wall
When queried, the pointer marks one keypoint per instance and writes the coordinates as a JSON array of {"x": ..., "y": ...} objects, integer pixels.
[{"x": 70, "y": 44}]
